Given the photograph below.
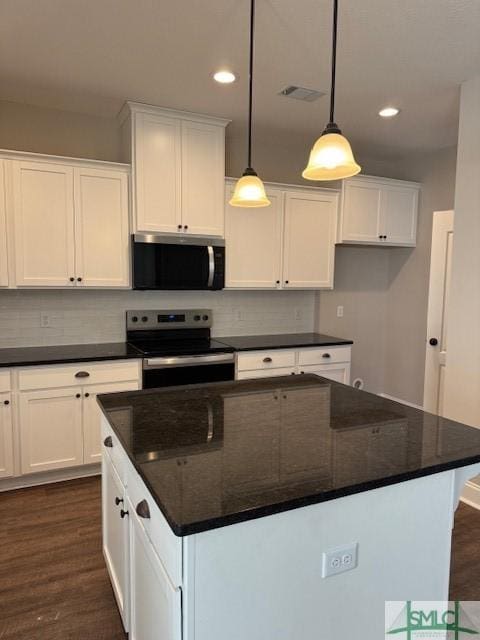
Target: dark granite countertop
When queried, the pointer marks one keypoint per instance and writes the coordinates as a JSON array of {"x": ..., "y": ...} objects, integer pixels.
[
  {"x": 24, "y": 356},
  {"x": 217, "y": 454},
  {"x": 281, "y": 341}
]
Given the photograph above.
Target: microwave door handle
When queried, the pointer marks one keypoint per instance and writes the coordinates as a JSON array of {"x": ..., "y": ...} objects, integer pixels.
[{"x": 211, "y": 266}]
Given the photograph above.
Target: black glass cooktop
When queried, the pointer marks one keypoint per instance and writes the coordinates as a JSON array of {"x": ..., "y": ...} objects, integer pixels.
[{"x": 187, "y": 347}]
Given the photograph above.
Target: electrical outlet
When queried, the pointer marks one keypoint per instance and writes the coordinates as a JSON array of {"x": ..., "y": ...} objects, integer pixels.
[
  {"x": 45, "y": 319},
  {"x": 297, "y": 314},
  {"x": 340, "y": 311},
  {"x": 339, "y": 560}
]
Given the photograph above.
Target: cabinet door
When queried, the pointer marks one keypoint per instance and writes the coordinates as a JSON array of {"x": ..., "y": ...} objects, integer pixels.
[
  {"x": 3, "y": 229},
  {"x": 101, "y": 228},
  {"x": 115, "y": 536},
  {"x": 361, "y": 212},
  {"x": 92, "y": 416},
  {"x": 51, "y": 429},
  {"x": 337, "y": 372},
  {"x": 43, "y": 224},
  {"x": 253, "y": 238},
  {"x": 203, "y": 176},
  {"x": 156, "y": 609},
  {"x": 6, "y": 436},
  {"x": 309, "y": 240},
  {"x": 157, "y": 173},
  {"x": 399, "y": 215}
]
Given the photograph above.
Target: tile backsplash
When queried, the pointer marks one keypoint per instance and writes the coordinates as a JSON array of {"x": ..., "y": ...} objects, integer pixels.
[{"x": 31, "y": 318}]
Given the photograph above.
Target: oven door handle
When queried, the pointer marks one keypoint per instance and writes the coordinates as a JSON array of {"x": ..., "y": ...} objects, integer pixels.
[
  {"x": 187, "y": 361},
  {"x": 211, "y": 266}
]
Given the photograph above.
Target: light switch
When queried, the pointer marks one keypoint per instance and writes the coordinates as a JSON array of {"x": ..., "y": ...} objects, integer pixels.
[{"x": 340, "y": 311}]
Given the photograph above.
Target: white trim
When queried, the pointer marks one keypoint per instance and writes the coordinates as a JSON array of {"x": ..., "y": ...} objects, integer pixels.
[
  {"x": 49, "y": 477},
  {"x": 471, "y": 494},
  {"x": 393, "y": 181},
  {"x": 405, "y": 402},
  {"x": 11, "y": 154},
  {"x": 139, "y": 107}
]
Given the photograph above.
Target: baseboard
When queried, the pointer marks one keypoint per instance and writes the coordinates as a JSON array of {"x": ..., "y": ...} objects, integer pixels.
[
  {"x": 408, "y": 404},
  {"x": 471, "y": 494},
  {"x": 48, "y": 477}
]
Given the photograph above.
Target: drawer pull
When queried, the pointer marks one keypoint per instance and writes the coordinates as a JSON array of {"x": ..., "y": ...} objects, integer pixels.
[
  {"x": 123, "y": 514},
  {"x": 267, "y": 359},
  {"x": 108, "y": 442},
  {"x": 118, "y": 501},
  {"x": 82, "y": 374},
  {"x": 326, "y": 355},
  {"x": 143, "y": 509}
]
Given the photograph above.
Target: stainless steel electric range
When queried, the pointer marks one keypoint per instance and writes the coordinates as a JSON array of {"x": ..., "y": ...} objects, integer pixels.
[{"x": 177, "y": 348}]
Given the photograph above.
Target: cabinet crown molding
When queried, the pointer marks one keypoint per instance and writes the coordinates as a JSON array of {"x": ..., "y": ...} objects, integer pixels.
[
  {"x": 391, "y": 181},
  {"x": 29, "y": 156},
  {"x": 131, "y": 108}
]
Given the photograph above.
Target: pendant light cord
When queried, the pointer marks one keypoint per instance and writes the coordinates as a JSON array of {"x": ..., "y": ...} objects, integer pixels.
[
  {"x": 334, "y": 60},
  {"x": 250, "y": 84}
]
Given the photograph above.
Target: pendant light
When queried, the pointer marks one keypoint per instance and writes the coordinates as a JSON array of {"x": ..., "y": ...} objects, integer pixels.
[
  {"x": 331, "y": 157},
  {"x": 249, "y": 190}
]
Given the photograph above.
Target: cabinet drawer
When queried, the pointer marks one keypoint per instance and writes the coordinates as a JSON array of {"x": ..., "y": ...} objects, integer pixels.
[
  {"x": 166, "y": 544},
  {"x": 325, "y": 355},
  {"x": 4, "y": 380},
  {"x": 265, "y": 373},
  {"x": 67, "y": 375},
  {"x": 266, "y": 359}
]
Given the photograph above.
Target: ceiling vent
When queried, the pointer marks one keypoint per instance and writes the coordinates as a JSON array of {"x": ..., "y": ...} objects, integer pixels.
[{"x": 301, "y": 93}]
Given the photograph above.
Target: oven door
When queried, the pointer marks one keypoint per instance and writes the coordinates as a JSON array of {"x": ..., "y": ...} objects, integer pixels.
[
  {"x": 161, "y": 262},
  {"x": 174, "y": 371}
]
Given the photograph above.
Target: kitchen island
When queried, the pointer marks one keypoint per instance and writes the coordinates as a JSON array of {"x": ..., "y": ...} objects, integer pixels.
[{"x": 276, "y": 509}]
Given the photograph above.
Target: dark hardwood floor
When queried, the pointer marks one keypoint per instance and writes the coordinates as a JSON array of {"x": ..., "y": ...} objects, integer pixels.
[{"x": 53, "y": 581}]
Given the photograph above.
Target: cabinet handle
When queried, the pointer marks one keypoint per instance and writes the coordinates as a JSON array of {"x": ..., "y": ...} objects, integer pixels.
[
  {"x": 286, "y": 281},
  {"x": 433, "y": 342},
  {"x": 87, "y": 395},
  {"x": 185, "y": 226},
  {"x": 79, "y": 279},
  {"x": 6, "y": 402},
  {"x": 179, "y": 226},
  {"x": 118, "y": 501},
  {"x": 267, "y": 359},
  {"x": 302, "y": 372},
  {"x": 123, "y": 513},
  {"x": 143, "y": 510},
  {"x": 72, "y": 279},
  {"x": 78, "y": 395},
  {"x": 82, "y": 374},
  {"x": 108, "y": 442},
  {"x": 277, "y": 282},
  {"x": 326, "y": 355}
]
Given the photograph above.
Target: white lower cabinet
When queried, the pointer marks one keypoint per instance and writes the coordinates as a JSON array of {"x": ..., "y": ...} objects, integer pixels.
[
  {"x": 6, "y": 435},
  {"x": 338, "y": 372},
  {"x": 51, "y": 434},
  {"x": 115, "y": 535}
]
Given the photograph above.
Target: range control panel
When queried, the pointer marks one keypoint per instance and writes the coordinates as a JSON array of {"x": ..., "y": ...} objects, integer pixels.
[{"x": 169, "y": 319}]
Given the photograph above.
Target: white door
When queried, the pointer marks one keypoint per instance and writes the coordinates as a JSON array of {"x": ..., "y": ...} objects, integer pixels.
[
  {"x": 51, "y": 431},
  {"x": 43, "y": 224},
  {"x": 115, "y": 535},
  {"x": 309, "y": 240},
  {"x": 6, "y": 436},
  {"x": 92, "y": 417},
  {"x": 203, "y": 171},
  {"x": 338, "y": 372},
  {"x": 101, "y": 228},
  {"x": 398, "y": 222},
  {"x": 361, "y": 211},
  {"x": 3, "y": 229},
  {"x": 157, "y": 166},
  {"x": 254, "y": 244},
  {"x": 155, "y": 605},
  {"x": 440, "y": 269}
]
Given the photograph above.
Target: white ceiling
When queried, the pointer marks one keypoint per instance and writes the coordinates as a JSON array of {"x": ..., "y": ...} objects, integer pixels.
[{"x": 91, "y": 55}]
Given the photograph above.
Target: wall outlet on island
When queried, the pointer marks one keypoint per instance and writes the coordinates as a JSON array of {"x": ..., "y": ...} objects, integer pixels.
[{"x": 339, "y": 560}]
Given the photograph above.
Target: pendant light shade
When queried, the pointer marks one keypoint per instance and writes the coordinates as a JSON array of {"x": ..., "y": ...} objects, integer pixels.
[
  {"x": 249, "y": 190},
  {"x": 331, "y": 157}
]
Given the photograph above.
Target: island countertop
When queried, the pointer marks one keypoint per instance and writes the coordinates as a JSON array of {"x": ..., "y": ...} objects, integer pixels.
[{"x": 217, "y": 454}]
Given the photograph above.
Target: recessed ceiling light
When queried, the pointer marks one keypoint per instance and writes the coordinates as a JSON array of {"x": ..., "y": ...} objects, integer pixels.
[
  {"x": 224, "y": 77},
  {"x": 389, "y": 112}
]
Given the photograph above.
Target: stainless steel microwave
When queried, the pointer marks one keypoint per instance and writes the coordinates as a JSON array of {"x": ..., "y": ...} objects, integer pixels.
[{"x": 171, "y": 262}]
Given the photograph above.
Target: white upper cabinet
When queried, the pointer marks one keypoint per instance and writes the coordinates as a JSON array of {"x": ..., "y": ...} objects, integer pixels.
[
  {"x": 3, "y": 229},
  {"x": 378, "y": 211},
  {"x": 101, "y": 228},
  {"x": 43, "y": 224},
  {"x": 70, "y": 223},
  {"x": 309, "y": 240},
  {"x": 288, "y": 245},
  {"x": 254, "y": 243},
  {"x": 178, "y": 162}
]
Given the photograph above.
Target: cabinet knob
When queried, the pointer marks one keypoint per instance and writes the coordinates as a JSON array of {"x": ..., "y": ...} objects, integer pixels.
[
  {"x": 72, "y": 279},
  {"x": 326, "y": 355},
  {"x": 78, "y": 395},
  {"x": 267, "y": 359},
  {"x": 143, "y": 510},
  {"x": 79, "y": 279},
  {"x": 118, "y": 501},
  {"x": 286, "y": 281},
  {"x": 179, "y": 226},
  {"x": 277, "y": 281},
  {"x": 185, "y": 226},
  {"x": 6, "y": 402},
  {"x": 108, "y": 442},
  {"x": 433, "y": 342},
  {"x": 123, "y": 513},
  {"x": 87, "y": 395},
  {"x": 82, "y": 374}
]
